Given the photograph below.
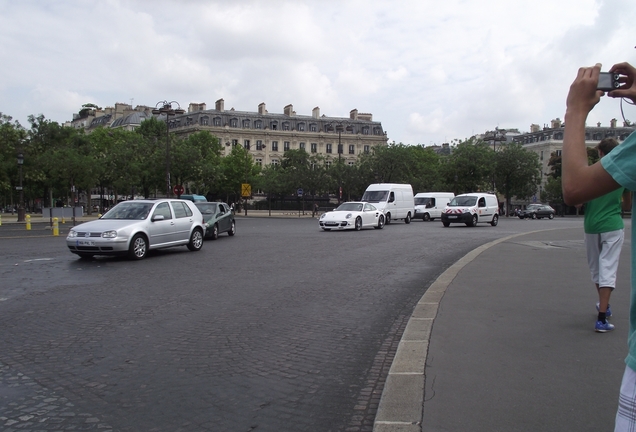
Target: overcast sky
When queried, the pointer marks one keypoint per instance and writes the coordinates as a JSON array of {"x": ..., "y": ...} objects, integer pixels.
[{"x": 430, "y": 71}]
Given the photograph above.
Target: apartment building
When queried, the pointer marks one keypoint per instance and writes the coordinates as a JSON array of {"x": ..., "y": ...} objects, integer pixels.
[{"x": 268, "y": 135}]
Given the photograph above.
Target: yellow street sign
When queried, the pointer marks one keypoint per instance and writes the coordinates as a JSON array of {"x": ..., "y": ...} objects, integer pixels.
[{"x": 246, "y": 190}]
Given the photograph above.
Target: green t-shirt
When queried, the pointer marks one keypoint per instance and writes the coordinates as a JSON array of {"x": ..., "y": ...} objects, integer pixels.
[{"x": 603, "y": 214}]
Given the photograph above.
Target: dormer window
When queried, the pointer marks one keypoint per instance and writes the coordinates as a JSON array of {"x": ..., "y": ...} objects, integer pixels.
[
  {"x": 258, "y": 124},
  {"x": 285, "y": 126},
  {"x": 234, "y": 122},
  {"x": 217, "y": 121},
  {"x": 301, "y": 127},
  {"x": 312, "y": 127},
  {"x": 205, "y": 120},
  {"x": 246, "y": 124}
]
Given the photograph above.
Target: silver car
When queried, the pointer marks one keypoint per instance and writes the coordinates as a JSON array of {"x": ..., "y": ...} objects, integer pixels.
[{"x": 134, "y": 227}]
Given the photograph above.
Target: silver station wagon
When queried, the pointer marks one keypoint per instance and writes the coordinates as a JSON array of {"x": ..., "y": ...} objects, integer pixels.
[{"x": 134, "y": 227}]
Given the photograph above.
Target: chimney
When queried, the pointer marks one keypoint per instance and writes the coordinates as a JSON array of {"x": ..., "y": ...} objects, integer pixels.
[
  {"x": 289, "y": 110},
  {"x": 220, "y": 105},
  {"x": 353, "y": 114},
  {"x": 535, "y": 128},
  {"x": 261, "y": 108},
  {"x": 598, "y": 124},
  {"x": 194, "y": 107},
  {"x": 315, "y": 113},
  {"x": 613, "y": 123}
]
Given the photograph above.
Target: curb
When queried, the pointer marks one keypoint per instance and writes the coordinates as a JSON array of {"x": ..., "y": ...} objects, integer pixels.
[{"x": 401, "y": 405}]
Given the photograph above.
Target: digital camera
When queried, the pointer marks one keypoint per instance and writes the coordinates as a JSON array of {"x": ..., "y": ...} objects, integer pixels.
[{"x": 608, "y": 81}]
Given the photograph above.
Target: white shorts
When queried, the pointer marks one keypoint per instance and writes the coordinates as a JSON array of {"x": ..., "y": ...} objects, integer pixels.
[
  {"x": 626, "y": 414},
  {"x": 603, "y": 253}
]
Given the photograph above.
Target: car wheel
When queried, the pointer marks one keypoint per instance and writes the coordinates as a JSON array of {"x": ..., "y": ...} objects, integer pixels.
[
  {"x": 196, "y": 240},
  {"x": 380, "y": 223},
  {"x": 358, "y": 224},
  {"x": 495, "y": 220},
  {"x": 387, "y": 219},
  {"x": 85, "y": 256},
  {"x": 426, "y": 217},
  {"x": 446, "y": 224},
  {"x": 138, "y": 247},
  {"x": 232, "y": 230},
  {"x": 215, "y": 232},
  {"x": 534, "y": 215},
  {"x": 551, "y": 216},
  {"x": 473, "y": 221},
  {"x": 407, "y": 219}
]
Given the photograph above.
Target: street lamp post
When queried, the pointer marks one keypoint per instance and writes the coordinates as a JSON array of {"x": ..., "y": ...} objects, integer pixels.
[
  {"x": 339, "y": 128},
  {"x": 21, "y": 209},
  {"x": 166, "y": 108},
  {"x": 497, "y": 135}
]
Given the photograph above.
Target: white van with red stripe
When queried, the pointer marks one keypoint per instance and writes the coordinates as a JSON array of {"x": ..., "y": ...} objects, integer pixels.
[{"x": 472, "y": 208}]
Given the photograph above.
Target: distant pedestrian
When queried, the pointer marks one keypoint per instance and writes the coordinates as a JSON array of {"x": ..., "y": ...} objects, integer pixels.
[
  {"x": 315, "y": 212},
  {"x": 604, "y": 236}
]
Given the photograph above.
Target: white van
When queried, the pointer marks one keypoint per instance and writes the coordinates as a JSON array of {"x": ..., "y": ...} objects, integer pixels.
[
  {"x": 430, "y": 205},
  {"x": 471, "y": 208},
  {"x": 395, "y": 200}
]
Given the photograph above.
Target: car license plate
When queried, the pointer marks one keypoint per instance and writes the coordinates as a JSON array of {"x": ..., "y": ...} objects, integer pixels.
[
  {"x": 85, "y": 243},
  {"x": 452, "y": 217}
]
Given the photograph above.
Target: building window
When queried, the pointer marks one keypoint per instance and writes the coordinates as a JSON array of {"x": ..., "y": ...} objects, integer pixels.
[
  {"x": 366, "y": 149},
  {"x": 558, "y": 153},
  {"x": 258, "y": 124},
  {"x": 339, "y": 148},
  {"x": 234, "y": 142},
  {"x": 377, "y": 131},
  {"x": 274, "y": 145},
  {"x": 352, "y": 149},
  {"x": 365, "y": 130},
  {"x": 301, "y": 127},
  {"x": 259, "y": 145},
  {"x": 273, "y": 125},
  {"x": 286, "y": 126},
  {"x": 541, "y": 154},
  {"x": 328, "y": 164},
  {"x": 234, "y": 122},
  {"x": 246, "y": 144},
  {"x": 258, "y": 161},
  {"x": 246, "y": 124},
  {"x": 205, "y": 120},
  {"x": 328, "y": 148},
  {"x": 314, "y": 147},
  {"x": 217, "y": 121},
  {"x": 312, "y": 127},
  {"x": 301, "y": 146},
  {"x": 286, "y": 145},
  {"x": 274, "y": 161}
]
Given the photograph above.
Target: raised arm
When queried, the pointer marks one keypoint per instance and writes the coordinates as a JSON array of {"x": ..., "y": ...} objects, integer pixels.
[{"x": 582, "y": 182}]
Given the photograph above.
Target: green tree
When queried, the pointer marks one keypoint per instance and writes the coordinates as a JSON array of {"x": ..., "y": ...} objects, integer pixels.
[
  {"x": 517, "y": 171},
  {"x": 469, "y": 167},
  {"x": 12, "y": 136}
]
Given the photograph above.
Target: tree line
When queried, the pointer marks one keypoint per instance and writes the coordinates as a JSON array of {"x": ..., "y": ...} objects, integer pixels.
[{"x": 63, "y": 164}]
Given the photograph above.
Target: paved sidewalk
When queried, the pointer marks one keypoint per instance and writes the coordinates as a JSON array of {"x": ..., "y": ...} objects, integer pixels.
[{"x": 504, "y": 341}]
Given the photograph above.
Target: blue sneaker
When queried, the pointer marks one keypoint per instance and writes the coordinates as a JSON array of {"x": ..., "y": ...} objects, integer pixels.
[
  {"x": 608, "y": 313},
  {"x": 602, "y": 327}
]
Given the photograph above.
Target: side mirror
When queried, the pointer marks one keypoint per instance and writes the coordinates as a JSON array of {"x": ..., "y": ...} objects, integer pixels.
[{"x": 157, "y": 218}]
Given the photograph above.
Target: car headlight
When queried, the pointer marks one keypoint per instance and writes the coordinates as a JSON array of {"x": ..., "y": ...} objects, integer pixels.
[
  {"x": 322, "y": 216},
  {"x": 109, "y": 234},
  {"x": 72, "y": 233},
  {"x": 348, "y": 215}
]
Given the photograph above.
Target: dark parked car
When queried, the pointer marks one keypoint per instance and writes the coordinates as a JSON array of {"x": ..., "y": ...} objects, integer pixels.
[
  {"x": 537, "y": 211},
  {"x": 218, "y": 219}
]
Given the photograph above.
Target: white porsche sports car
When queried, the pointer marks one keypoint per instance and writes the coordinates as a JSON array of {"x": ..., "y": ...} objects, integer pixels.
[{"x": 352, "y": 215}]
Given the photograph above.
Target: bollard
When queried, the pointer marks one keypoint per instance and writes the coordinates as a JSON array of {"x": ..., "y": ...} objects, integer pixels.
[
  {"x": 28, "y": 222},
  {"x": 56, "y": 227},
  {"x": 63, "y": 221},
  {"x": 0, "y": 219}
]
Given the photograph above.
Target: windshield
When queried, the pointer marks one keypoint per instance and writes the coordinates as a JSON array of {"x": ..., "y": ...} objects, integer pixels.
[
  {"x": 375, "y": 196},
  {"x": 210, "y": 208},
  {"x": 422, "y": 201},
  {"x": 533, "y": 207},
  {"x": 463, "y": 201},
  {"x": 350, "y": 207},
  {"x": 129, "y": 210}
]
